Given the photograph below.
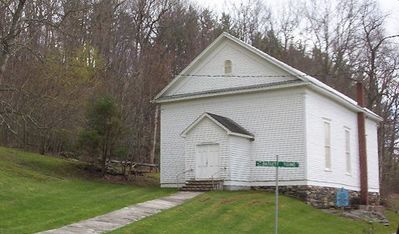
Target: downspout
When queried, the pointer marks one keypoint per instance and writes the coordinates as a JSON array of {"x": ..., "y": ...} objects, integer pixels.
[{"x": 362, "y": 145}]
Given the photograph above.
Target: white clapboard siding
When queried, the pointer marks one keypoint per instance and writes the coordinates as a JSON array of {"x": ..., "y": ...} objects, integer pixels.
[
  {"x": 372, "y": 155},
  {"x": 276, "y": 118},
  {"x": 206, "y": 132},
  {"x": 244, "y": 63},
  {"x": 318, "y": 110},
  {"x": 240, "y": 159}
]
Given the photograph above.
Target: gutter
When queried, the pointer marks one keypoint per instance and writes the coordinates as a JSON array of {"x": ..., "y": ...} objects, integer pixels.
[{"x": 240, "y": 91}]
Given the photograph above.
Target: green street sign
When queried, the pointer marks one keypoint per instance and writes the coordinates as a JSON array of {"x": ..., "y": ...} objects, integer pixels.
[{"x": 274, "y": 164}]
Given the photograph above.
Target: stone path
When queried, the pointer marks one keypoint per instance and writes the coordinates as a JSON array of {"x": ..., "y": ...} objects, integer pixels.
[{"x": 124, "y": 216}]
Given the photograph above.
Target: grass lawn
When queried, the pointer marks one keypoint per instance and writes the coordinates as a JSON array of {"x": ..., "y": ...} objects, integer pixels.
[
  {"x": 250, "y": 212},
  {"x": 40, "y": 192}
]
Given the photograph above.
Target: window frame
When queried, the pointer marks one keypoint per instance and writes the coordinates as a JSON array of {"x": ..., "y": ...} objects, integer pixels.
[
  {"x": 327, "y": 145},
  {"x": 347, "y": 150},
  {"x": 228, "y": 67}
]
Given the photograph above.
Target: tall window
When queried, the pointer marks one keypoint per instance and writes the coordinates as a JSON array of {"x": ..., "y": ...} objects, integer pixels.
[
  {"x": 348, "y": 151},
  {"x": 228, "y": 67},
  {"x": 327, "y": 145}
]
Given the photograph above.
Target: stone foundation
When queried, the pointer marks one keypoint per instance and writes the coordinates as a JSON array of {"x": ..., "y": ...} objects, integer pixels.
[{"x": 320, "y": 197}]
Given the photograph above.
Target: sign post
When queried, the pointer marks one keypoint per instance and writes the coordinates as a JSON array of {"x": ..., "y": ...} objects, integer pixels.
[
  {"x": 276, "y": 164},
  {"x": 276, "y": 212}
]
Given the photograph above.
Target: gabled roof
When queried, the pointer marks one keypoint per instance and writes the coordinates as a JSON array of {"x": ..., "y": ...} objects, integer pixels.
[
  {"x": 312, "y": 82},
  {"x": 231, "y": 127}
]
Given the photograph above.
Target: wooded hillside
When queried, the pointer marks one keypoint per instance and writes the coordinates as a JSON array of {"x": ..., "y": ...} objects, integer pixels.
[{"x": 57, "y": 56}]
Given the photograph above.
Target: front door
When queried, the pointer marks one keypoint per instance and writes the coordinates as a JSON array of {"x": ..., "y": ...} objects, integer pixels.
[{"x": 207, "y": 161}]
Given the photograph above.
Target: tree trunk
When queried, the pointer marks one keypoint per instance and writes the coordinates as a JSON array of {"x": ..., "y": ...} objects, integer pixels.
[{"x": 154, "y": 140}]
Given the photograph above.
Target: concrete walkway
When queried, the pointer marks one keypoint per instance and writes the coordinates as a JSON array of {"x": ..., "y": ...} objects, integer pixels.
[{"x": 124, "y": 216}]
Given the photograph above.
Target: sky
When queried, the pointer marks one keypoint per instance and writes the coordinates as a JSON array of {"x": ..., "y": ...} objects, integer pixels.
[{"x": 390, "y": 7}]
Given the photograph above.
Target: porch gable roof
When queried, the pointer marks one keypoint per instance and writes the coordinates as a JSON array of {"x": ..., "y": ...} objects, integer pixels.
[{"x": 231, "y": 127}]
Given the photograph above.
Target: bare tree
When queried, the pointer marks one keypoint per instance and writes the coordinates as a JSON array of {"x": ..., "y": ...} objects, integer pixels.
[
  {"x": 380, "y": 64},
  {"x": 11, "y": 25}
]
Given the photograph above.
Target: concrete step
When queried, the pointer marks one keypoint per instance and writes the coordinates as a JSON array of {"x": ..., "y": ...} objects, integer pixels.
[
  {"x": 195, "y": 189},
  {"x": 198, "y": 188},
  {"x": 202, "y": 185},
  {"x": 205, "y": 182}
]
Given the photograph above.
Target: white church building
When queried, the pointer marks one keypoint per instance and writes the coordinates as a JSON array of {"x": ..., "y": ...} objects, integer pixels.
[{"x": 235, "y": 105}]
